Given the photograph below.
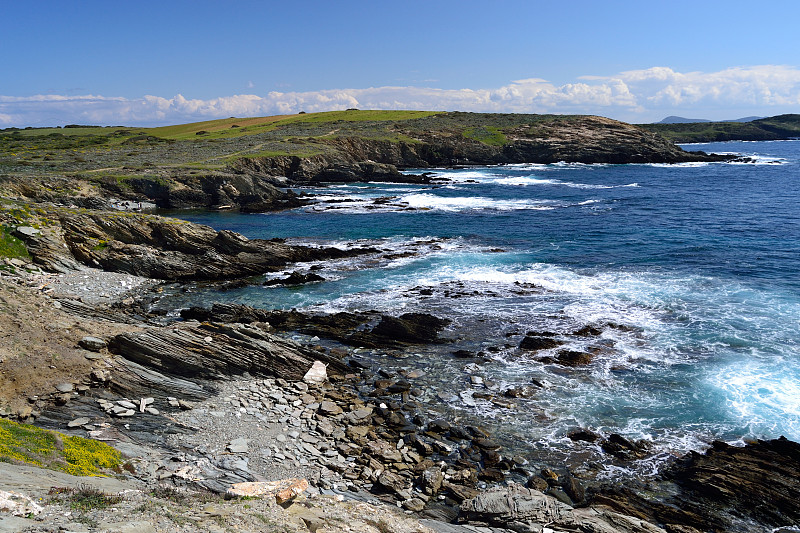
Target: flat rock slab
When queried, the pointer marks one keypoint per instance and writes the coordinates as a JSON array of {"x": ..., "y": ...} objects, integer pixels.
[
  {"x": 78, "y": 422},
  {"x": 283, "y": 490},
  {"x": 94, "y": 344},
  {"x": 316, "y": 374},
  {"x": 64, "y": 387},
  {"x": 28, "y": 231},
  {"x": 330, "y": 408},
  {"x": 238, "y": 446},
  {"x": 38, "y": 481}
]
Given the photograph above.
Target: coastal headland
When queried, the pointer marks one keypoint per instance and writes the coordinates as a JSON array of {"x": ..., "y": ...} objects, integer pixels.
[{"x": 220, "y": 396}]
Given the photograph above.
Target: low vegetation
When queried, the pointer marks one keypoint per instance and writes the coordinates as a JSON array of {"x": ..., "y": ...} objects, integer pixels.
[
  {"x": 85, "y": 497},
  {"x": 765, "y": 129},
  {"x": 10, "y": 246},
  {"x": 21, "y": 443},
  {"x": 487, "y": 135}
]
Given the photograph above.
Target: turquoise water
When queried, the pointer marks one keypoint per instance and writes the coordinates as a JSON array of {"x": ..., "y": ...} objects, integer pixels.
[{"x": 692, "y": 272}]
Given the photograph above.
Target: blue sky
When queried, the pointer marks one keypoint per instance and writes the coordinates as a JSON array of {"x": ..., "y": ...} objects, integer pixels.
[{"x": 171, "y": 61}]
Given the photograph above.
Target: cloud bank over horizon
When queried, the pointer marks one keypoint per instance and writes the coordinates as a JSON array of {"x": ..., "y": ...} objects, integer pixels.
[{"x": 635, "y": 96}]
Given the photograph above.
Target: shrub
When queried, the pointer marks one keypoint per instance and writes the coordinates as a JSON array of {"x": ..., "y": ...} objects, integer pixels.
[{"x": 49, "y": 449}]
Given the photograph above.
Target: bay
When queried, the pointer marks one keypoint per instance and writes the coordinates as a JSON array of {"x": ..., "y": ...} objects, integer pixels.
[{"x": 690, "y": 272}]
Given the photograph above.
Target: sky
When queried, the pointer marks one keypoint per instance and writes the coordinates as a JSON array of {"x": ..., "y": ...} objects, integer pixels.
[{"x": 149, "y": 63}]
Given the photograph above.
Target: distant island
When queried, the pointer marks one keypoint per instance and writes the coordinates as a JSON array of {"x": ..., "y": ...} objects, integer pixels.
[
  {"x": 681, "y": 130},
  {"x": 672, "y": 119}
]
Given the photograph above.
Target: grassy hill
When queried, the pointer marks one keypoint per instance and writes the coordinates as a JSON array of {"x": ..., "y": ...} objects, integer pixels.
[
  {"x": 766, "y": 129},
  {"x": 212, "y": 145},
  {"x": 436, "y": 138}
]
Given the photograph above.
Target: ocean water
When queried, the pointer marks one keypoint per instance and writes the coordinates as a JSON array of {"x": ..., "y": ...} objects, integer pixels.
[{"x": 691, "y": 272}]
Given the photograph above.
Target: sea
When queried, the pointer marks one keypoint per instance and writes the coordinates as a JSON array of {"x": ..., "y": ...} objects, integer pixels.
[{"x": 691, "y": 273}]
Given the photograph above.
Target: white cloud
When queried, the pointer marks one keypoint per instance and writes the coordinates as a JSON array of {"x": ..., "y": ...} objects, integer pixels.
[
  {"x": 764, "y": 85},
  {"x": 637, "y": 95}
]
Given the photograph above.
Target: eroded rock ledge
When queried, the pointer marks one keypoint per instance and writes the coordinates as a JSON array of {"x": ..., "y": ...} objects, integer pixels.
[{"x": 159, "y": 247}]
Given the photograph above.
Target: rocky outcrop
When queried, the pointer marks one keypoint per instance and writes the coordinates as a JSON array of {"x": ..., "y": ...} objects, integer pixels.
[
  {"x": 160, "y": 247},
  {"x": 214, "y": 351},
  {"x": 446, "y": 142},
  {"x": 246, "y": 192},
  {"x": 333, "y": 167},
  {"x": 522, "y": 509},
  {"x": 164, "y": 248},
  {"x": 728, "y": 488},
  {"x": 164, "y": 189},
  {"x": 369, "y": 329}
]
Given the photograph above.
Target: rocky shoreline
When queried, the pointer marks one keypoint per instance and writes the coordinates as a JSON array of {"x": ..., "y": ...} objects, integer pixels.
[
  {"x": 223, "y": 397},
  {"x": 231, "y": 173}
]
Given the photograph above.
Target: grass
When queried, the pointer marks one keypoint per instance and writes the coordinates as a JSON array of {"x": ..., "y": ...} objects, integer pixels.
[
  {"x": 166, "y": 492},
  {"x": 226, "y": 128},
  {"x": 217, "y": 128},
  {"x": 22, "y": 443},
  {"x": 271, "y": 153},
  {"x": 10, "y": 246},
  {"x": 21, "y": 142},
  {"x": 487, "y": 135}
]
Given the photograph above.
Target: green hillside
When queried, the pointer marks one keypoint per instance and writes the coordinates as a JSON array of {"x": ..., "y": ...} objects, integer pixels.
[{"x": 766, "y": 129}]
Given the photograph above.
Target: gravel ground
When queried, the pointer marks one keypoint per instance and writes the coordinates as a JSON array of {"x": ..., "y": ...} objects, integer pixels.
[
  {"x": 92, "y": 286},
  {"x": 140, "y": 509}
]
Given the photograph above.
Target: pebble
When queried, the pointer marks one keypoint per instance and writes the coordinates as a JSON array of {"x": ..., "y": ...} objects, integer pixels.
[
  {"x": 64, "y": 387},
  {"x": 78, "y": 422}
]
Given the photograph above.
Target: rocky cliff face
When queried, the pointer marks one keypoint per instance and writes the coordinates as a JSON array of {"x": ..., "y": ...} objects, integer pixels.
[
  {"x": 246, "y": 192},
  {"x": 159, "y": 247},
  {"x": 581, "y": 140},
  {"x": 728, "y": 488}
]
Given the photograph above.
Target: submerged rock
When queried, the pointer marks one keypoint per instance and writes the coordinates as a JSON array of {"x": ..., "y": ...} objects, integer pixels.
[
  {"x": 536, "y": 343},
  {"x": 296, "y": 278}
]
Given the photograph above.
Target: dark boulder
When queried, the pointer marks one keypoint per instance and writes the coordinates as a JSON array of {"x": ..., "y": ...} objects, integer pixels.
[
  {"x": 296, "y": 278},
  {"x": 410, "y": 328},
  {"x": 582, "y": 434},
  {"x": 625, "y": 449},
  {"x": 536, "y": 343},
  {"x": 573, "y": 358}
]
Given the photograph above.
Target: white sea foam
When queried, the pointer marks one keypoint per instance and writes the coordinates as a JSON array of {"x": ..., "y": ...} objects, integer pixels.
[
  {"x": 530, "y": 180},
  {"x": 761, "y": 395},
  {"x": 434, "y": 202},
  {"x": 460, "y": 203},
  {"x": 524, "y": 180},
  {"x": 689, "y": 164},
  {"x": 461, "y": 176}
]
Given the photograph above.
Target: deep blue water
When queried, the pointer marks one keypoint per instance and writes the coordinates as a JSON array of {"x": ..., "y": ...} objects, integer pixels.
[{"x": 693, "y": 272}]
